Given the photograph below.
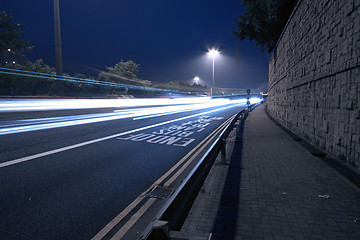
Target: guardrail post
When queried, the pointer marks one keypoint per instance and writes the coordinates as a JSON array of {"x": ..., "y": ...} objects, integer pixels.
[
  {"x": 239, "y": 121},
  {"x": 161, "y": 230},
  {"x": 223, "y": 151},
  {"x": 246, "y": 113}
]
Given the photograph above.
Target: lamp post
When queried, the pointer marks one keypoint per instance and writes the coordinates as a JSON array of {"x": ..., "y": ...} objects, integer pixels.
[{"x": 213, "y": 53}]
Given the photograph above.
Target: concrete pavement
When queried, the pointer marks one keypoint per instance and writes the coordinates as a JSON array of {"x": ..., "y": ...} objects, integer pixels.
[{"x": 273, "y": 188}]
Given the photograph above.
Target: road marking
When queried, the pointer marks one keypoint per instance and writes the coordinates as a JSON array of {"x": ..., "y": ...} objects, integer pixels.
[
  {"x": 177, "y": 174},
  {"x": 127, "y": 210},
  {"x": 133, "y": 219},
  {"x": 32, "y": 157},
  {"x": 56, "y": 124},
  {"x": 187, "y": 156},
  {"x": 175, "y": 135},
  {"x": 117, "y": 219},
  {"x": 65, "y": 121},
  {"x": 159, "y": 139}
]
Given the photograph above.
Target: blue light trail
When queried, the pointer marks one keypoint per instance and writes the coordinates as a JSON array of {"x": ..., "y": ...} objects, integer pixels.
[{"x": 27, "y": 125}]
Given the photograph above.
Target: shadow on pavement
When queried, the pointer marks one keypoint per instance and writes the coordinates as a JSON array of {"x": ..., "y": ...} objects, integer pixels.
[{"x": 225, "y": 223}]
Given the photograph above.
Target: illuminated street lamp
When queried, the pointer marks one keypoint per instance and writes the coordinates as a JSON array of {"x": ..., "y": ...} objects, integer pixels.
[
  {"x": 213, "y": 53},
  {"x": 196, "y": 79}
]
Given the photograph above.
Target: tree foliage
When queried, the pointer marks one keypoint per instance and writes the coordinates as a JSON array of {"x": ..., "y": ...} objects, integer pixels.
[
  {"x": 12, "y": 49},
  {"x": 39, "y": 66},
  {"x": 125, "y": 73},
  {"x": 263, "y": 21},
  {"x": 11, "y": 46},
  {"x": 121, "y": 71},
  {"x": 182, "y": 86}
]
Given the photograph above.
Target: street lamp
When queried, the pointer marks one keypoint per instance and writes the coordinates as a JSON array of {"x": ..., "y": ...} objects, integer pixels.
[
  {"x": 213, "y": 53},
  {"x": 196, "y": 79}
]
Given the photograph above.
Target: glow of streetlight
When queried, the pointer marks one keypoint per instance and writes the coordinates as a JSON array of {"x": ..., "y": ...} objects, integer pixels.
[
  {"x": 213, "y": 52},
  {"x": 196, "y": 79}
]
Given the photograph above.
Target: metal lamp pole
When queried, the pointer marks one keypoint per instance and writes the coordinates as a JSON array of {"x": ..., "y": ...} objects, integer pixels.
[
  {"x": 213, "y": 76},
  {"x": 213, "y": 53}
]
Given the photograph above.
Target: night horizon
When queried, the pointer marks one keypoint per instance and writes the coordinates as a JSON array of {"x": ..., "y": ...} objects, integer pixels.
[{"x": 168, "y": 40}]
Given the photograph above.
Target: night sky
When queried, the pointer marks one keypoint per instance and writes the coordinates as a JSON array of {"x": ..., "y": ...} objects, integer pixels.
[{"x": 168, "y": 38}]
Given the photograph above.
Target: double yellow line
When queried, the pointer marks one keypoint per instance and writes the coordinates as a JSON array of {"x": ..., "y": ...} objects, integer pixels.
[{"x": 185, "y": 162}]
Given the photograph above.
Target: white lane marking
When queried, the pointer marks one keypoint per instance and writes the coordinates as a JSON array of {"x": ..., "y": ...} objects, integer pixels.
[
  {"x": 44, "y": 126},
  {"x": 28, "y": 158},
  {"x": 119, "y": 217},
  {"x": 133, "y": 219},
  {"x": 175, "y": 135}
]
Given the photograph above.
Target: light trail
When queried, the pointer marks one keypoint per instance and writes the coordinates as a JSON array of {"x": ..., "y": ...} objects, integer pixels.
[
  {"x": 11, "y": 105},
  {"x": 43, "y": 154},
  {"x": 28, "y": 125}
]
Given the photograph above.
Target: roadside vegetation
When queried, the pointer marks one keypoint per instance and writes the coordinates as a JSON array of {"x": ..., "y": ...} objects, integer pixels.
[
  {"x": 263, "y": 22},
  {"x": 124, "y": 73}
]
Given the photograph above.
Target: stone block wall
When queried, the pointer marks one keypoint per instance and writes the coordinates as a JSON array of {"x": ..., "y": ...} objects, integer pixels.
[{"x": 314, "y": 76}]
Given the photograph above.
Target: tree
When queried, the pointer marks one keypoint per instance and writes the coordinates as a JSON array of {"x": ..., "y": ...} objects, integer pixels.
[
  {"x": 28, "y": 85},
  {"x": 125, "y": 73},
  {"x": 121, "y": 71},
  {"x": 181, "y": 86},
  {"x": 11, "y": 46},
  {"x": 39, "y": 66},
  {"x": 263, "y": 21}
]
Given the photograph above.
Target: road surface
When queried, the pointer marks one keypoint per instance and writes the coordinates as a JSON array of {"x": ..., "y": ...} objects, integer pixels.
[{"x": 66, "y": 173}]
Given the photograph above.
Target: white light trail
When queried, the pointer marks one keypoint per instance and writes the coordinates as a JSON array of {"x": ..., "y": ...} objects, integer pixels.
[
  {"x": 28, "y": 125},
  {"x": 43, "y": 154},
  {"x": 11, "y": 105}
]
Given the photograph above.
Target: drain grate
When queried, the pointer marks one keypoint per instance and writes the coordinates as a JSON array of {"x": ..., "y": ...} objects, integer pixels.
[{"x": 160, "y": 192}]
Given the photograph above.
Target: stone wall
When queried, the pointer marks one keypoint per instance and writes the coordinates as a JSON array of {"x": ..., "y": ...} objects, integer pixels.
[{"x": 314, "y": 76}]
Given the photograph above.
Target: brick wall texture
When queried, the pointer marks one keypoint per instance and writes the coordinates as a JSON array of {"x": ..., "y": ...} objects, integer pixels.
[{"x": 314, "y": 76}]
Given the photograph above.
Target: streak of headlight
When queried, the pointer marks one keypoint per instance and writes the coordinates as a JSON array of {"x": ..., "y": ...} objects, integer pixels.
[
  {"x": 29, "y": 158},
  {"x": 48, "y": 123},
  {"x": 173, "y": 110},
  {"x": 63, "y": 104},
  {"x": 255, "y": 100}
]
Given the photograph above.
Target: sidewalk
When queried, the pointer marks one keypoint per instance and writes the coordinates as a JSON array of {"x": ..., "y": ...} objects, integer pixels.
[{"x": 273, "y": 188}]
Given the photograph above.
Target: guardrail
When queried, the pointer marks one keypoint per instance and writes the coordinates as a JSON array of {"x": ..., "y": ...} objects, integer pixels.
[{"x": 172, "y": 215}]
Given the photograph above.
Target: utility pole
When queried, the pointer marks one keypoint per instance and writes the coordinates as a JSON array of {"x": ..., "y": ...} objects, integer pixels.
[{"x": 58, "y": 54}]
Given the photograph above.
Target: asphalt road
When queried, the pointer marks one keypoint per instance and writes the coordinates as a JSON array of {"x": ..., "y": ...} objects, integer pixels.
[{"x": 66, "y": 174}]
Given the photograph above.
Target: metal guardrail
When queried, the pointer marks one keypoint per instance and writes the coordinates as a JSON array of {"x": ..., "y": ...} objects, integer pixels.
[{"x": 172, "y": 215}]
